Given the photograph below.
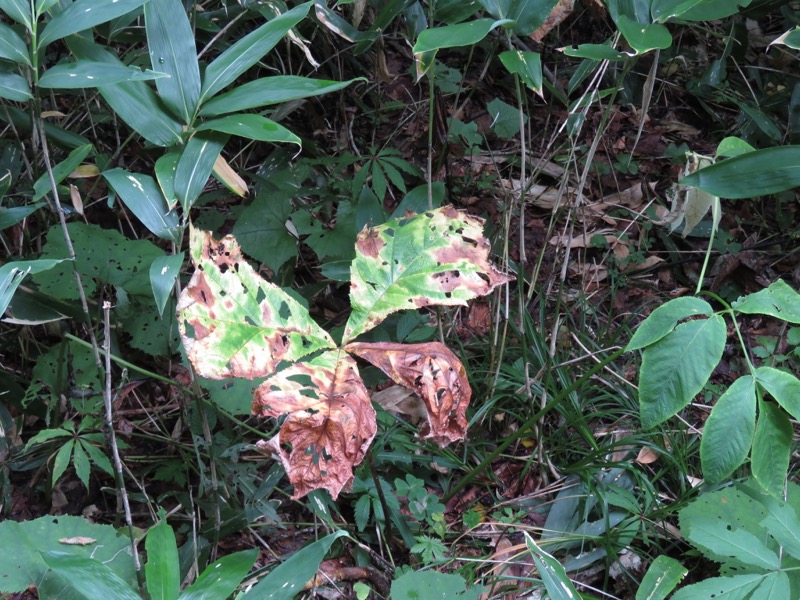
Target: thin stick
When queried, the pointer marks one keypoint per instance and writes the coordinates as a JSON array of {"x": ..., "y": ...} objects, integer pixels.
[{"x": 112, "y": 438}]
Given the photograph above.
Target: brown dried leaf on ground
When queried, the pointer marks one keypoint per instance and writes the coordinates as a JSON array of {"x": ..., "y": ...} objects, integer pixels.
[
  {"x": 435, "y": 374},
  {"x": 560, "y": 12},
  {"x": 330, "y": 422}
]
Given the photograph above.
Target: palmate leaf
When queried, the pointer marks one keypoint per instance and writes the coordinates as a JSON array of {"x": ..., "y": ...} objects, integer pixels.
[
  {"x": 435, "y": 374},
  {"x": 235, "y": 324},
  {"x": 330, "y": 422},
  {"x": 436, "y": 257}
]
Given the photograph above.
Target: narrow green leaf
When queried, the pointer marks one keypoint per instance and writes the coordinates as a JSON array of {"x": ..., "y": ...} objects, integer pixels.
[
  {"x": 42, "y": 185},
  {"x": 253, "y": 127},
  {"x": 42, "y": 6},
  {"x": 729, "y": 429},
  {"x": 676, "y": 368},
  {"x": 81, "y": 463},
  {"x": 552, "y": 572},
  {"x": 664, "y": 574},
  {"x": 84, "y": 14},
  {"x": 252, "y": 333},
  {"x": 772, "y": 446},
  {"x": 782, "y": 386},
  {"x": 61, "y": 461},
  {"x": 750, "y": 175},
  {"x": 97, "y": 457},
  {"x": 15, "y": 214},
  {"x": 12, "y": 46},
  {"x": 644, "y": 37},
  {"x": 779, "y": 300},
  {"x": 133, "y": 101},
  {"x": 195, "y": 165},
  {"x": 270, "y": 90},
  {"x": 527, "y": 65},
  {"x": 220, "y": 578},
  {"x": 12, "y": 274},
  {"x": 91, "y": 577},
  {"x": 736, "y": 587},
  {"x": 165, "y": 168},
  {"x": 45, "y": 435},
  {"x": 784, "y": 525},
  {"x": 142, "y": 196},
  {"x": 287, "y": 580},
  {"x": 595, "y": 52},
  {"x": 664, "y": 10},
  {"x": 163, "y": 567},
  {"x": 14, "y": 87},
  {"x": 711, "y": 10},
  {"x": 163, "y": 273},
  {"x": 438, "y": 257},
  {"x": 90, "y": 74},
  {"x": 19, "y": 10},
  {"x": 664, "y": 319},
  {"x": 170, "y": 41},
  {"x": 248, "y": 51}
]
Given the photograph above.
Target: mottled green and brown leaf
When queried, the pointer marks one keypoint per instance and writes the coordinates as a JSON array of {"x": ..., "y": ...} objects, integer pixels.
[
  {"x": 234, "y": 323},
  {"x": 432, "y": 372},
  {"x": 439, "y": 257},
  {"x": 329, "y": 425}
]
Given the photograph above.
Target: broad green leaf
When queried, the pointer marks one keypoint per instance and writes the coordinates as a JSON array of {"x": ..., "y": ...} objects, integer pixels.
[
  {"x": 12, "y": 274},
  {"x": 12, "y": 46},
  {"x": 784, "y": 525},
  {"x": 644, "y": 37},
  {"x": 163, "y": 273},
  {"x": 723, "y": 540},
  {"x": 733, "y": 146},
  {"x": 439, "y": 257},
  {"x": 163, "y": 567},
  {"x": 89, "y": 74},
  {"x": 737, "y": 587},
  {"x": 676, "y": 368},
  {"x": 61, "y": 461},
  {"x": 235, "y": 324},
  {"x": 776, "y": 586},
  {"x": 15, "y": 214},
  {"x": 791, "y": 39},
  {"x": 84, "y": 14},
  {"x": 262, "y": 230},
  {"x": 42, "y": 6},
  {"x": 248, "y": 51},
  {"x": 782, "y": 386},
  {"x": 165, "y": 168},
  {"x": 46, "y": 435},
  {"x": 93, "y": 578},
  {"x": 220, "y": 578},
  {"x": 42, "y": 186},
  {"x": 750, "y": 175},
  {"x": 81, "y": 463},
  {"x": 711, "y": 10},
  {"x": 286, "y": 581},
  {"x": 170, "y": 42},
  {"x": 270, "y": 90},
  {"x": 142, "y": 196},
  {"x": 133, "y": 101},
  {"x": 432, "y": 584},
  {"x": 729, "y": 429},
  {"x": 778, "y": 300},
  {"x": 254, "y": 127},
  {"x": 595, "y": 52},
  {"x": 664, "y": 10},
  {"x": 528, "y": 65},
  {"x": 195, "y": 165},
  {"x": 527, "y": 15},
  {"x": 772, "y": 446},
  {"x": 19, "y": 10},
  {"x": 29, "y": 539},
  {"x": 664, "y": 319},
  {"x": 552, "y": 572},
  {"x": 663, "y": 575},
  {"x": 14, "y": 87}
]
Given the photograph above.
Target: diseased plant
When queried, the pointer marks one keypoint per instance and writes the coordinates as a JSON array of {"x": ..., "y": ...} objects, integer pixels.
[{"x": 235, "y": 324}]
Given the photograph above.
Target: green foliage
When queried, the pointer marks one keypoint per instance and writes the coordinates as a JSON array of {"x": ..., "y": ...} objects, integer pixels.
[
  {"x": 430, "y": 584},
  {"x": 678, "y": 359}
]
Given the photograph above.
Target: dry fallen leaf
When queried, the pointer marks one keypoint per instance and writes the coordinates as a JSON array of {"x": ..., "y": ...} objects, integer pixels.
[{"x": 77, "y": 541}]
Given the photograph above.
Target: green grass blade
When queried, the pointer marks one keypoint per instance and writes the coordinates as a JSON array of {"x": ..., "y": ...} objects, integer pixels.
[
  {"x": 163, "y": 567},
  {"x": 84, "y": 14}
]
